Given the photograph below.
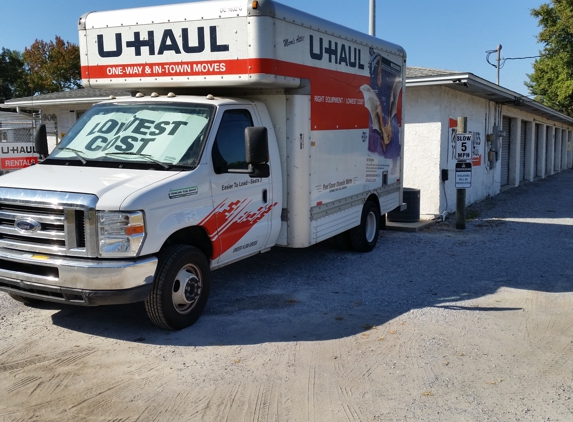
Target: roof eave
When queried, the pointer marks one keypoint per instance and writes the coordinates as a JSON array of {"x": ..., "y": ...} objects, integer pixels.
[
  {"x": 473, "y": 85},
  {"x": 35, "y": 104},
  {"x": 437, "y": 80}
]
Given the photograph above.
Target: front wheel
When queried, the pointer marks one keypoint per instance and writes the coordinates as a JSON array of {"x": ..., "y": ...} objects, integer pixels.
[
  {"x": 180, "y": 289},
  {"x": 363, "y": 238}
]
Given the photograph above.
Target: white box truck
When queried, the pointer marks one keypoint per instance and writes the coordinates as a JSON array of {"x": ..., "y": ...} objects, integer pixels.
[{"x": 251, "y": 125}]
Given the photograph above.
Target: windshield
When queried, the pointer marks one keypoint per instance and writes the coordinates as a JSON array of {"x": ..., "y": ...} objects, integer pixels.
[{"x": 142, "y": 135}]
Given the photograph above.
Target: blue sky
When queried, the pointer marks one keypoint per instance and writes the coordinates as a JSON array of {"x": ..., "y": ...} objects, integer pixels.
[{"x": 443, "y": 34}]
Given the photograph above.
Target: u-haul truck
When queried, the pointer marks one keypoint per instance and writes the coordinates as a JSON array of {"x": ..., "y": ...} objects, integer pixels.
[{"x": 251, "y": 125}]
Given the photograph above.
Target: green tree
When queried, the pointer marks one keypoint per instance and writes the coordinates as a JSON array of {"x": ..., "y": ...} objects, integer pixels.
[
  {"x": 12, "y": 75},
  {"x": 52, "y": 66},
  {"x": 552, "y": 79}
]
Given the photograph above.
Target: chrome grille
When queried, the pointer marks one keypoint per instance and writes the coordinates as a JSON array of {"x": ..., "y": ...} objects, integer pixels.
[{"x": 62, "y": 223}]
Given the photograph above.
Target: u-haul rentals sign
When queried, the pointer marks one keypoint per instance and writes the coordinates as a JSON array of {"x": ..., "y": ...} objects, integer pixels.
[{"x": 17, "y": 155}]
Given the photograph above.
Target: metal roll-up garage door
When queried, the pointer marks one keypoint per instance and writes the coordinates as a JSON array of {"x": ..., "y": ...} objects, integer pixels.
[
  {"x": 522, "y": 151},
  {"x": 555, "y": 163},
  {"x": 547, "y": 141},
  {"x": 535, "y": 146},
  {"x": 506, "y": 127}
]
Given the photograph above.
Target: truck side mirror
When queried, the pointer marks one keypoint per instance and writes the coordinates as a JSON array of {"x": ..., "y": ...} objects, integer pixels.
[
  {"x": 257, "y": 145},
  {"x": 257, "y": 151},
  {"x": 41, "y": 141}
]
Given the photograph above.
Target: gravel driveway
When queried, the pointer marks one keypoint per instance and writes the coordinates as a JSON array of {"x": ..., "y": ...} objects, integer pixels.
[{"x": 438, "y": 325}]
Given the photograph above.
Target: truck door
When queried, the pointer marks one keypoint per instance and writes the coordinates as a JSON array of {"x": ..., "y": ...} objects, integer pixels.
[{"x": 240, "y": 221}]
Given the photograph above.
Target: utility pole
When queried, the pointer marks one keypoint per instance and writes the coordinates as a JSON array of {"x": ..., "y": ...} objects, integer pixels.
[
  {"x": 372, "y": 20},
  {"x": 498, "y": 61}
]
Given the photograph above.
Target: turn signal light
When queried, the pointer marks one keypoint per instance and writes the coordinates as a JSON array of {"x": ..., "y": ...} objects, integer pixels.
[{"x": 131, "y": 230}]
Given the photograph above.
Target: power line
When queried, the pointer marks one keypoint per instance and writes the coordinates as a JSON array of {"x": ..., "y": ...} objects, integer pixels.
[
  {"x": 520, "y": 58},
  {"x": 504, "y": 59}
]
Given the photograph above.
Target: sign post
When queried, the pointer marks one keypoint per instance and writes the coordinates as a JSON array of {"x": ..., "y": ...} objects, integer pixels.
[{"x": 463, "y": 152}]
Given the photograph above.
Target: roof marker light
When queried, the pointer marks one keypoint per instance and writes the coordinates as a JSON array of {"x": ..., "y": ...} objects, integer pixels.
[{"x": 255, "y": 4}]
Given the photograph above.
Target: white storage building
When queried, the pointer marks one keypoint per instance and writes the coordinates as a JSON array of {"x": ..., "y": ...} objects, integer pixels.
[{"x": 515, "y": 138}]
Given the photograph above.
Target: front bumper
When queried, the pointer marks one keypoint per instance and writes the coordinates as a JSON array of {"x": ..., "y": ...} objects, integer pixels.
[{"x": 75, "y": 280}]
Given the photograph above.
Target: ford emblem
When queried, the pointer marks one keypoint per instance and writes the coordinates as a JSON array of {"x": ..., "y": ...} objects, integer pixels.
[{"x": 27, "y": 225}]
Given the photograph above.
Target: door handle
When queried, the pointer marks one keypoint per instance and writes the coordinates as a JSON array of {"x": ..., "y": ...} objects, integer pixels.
[{"x": 265, "y": 196}]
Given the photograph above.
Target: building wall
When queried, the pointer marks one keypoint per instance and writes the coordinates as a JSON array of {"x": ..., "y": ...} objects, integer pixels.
[
  {"x": 50, "y": 119},
  {"x": 480, "y": 119},
  {"x": 422, "y": 151},
  {"x": 58, "y": 122},
  {"x": 66, "y": 119},
  {"x": 430, "y": 114}
]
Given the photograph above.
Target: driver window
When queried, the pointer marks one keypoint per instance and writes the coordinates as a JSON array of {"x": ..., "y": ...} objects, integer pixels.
[{"x": 229, "y": 147}]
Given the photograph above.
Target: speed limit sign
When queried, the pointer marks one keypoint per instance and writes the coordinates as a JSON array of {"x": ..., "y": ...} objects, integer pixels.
[{"x": 464, "y": 142}]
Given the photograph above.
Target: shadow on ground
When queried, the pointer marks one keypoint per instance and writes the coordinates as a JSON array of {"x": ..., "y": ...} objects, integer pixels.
[{"x": 323, "y": 293}]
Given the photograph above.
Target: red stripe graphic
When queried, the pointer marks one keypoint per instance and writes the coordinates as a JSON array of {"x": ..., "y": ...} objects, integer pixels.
[
  {"x": 228, "y": 223},
  {"x": 166, "y": 69},
  {"x": 337, "y": 102}
]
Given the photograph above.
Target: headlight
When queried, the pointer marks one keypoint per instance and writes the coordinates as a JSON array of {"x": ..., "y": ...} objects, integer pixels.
[{"x": 121, "y": 234}]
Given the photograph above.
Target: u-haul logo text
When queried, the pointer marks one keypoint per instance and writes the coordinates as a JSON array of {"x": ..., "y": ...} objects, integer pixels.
[
  {"x": 154, "y": 44},
  {"x": 339, "y": 54}
]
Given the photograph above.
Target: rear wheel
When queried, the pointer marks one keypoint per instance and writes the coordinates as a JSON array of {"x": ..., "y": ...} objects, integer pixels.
[
  {"x": 180, "y": 289},
  {"x": 363, "y": 238}
]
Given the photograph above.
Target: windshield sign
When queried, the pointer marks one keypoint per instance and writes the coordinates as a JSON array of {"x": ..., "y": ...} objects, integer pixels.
[{"x": 166, "y": 134}]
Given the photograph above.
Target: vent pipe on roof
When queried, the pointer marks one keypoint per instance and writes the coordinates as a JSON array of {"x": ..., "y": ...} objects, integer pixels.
[{"x": 372, "y": 20}]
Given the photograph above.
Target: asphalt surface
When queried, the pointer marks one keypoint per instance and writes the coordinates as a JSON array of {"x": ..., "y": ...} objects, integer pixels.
[{"x": 500, "y": 292}]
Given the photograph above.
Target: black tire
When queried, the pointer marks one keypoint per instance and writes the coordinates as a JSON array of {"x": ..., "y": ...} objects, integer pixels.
[
  {"x": 363, "y": 238},
  {"x": 383, "y": 220},
  {"x": 23, "y": 299},
  {"x": 181, "y": 288}
]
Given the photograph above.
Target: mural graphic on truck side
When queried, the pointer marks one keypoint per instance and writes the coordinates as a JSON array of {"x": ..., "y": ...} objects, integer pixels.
[{"x": 383, "y": 99}]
